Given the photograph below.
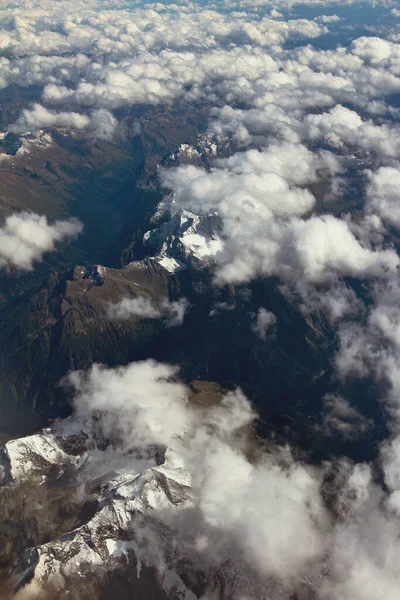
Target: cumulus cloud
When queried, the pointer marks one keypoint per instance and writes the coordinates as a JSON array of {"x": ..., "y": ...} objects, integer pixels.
[
  {"x": 261, "y": 497},
  {"x": 262, "y": 180},
  {"x": 342, "y": 126},
  {"x": 383, "y": 195},
  {"x": 364, "y": 552},
  {"x": 101, "y": 121},
  {"x": 376, "y": 342},
  {"x": 148, "y": 308},
  {"x": 143, "y": 404},
  {"x": 25, "y": 237},
  {"x": 311, "y": 80},
  {"x": 158, "y": 54},
  {"x": 140, "y": 403},
  {"x": 328, "y": 19},
  {"x": 390, "y": 454},
  {"x": 260, "y": 199},
  {"x": 154, "y": 55},
  {"x": 284, "y": 520}
]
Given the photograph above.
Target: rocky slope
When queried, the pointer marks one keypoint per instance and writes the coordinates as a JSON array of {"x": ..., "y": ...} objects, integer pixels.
[
  {"x": 109, "y": 185},
  {"x": 64, "y": 325}
]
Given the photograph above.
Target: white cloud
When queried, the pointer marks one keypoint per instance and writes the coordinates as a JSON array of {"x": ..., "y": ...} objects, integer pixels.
[
  {"x": 91, "y": 56},
  {"x": 101, "y": 121},
  {"x": 375, "y": 50},
  {"x": 26, "y": 237},
  {"x": 273, "y": 501},
  {"x": 363, "y": 557},
  {"x": 142, "y": 404},
  {"x": 265, "y": 321},
  {"x": 342, "y": 126},
  {"x": 340, "y": 417},
  {"x": 383, "y": 195},
  {"x": 143, "y": 307},
  {"x": 261, "y": 499},
  {"x": 259, "y": 198},
  {"x": 391, "y": 464},
  {"x": 371, "y": 347},
  {"x": 328, "y": 19}
]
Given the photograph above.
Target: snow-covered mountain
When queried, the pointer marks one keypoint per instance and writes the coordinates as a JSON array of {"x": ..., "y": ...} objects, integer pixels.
[
  {"x": 136, "y": 488},
  {"x": 182, "y": 238},
  {"x": 156, "y": 485},
  {"x": 122, "y": 529}
]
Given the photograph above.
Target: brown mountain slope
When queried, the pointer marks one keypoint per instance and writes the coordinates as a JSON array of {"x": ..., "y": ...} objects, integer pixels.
[{"x": 63, "y": 325}]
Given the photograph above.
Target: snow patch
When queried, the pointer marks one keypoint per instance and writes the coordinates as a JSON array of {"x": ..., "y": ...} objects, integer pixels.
[
  {"x": 29, "y": 456},
  {"x": 183, "y": 236},
  {"x": 172, "y": 265},
  {"x": 101, "y": 271},
  {"x": 201, "y": 246}
]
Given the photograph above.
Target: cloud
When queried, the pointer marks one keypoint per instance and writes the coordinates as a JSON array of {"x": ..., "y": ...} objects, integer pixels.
[
  {"x": 390, "y": 455},
  {"x": 347, "y": 525},
  {"x": 265, "y": 322},
  {"x": 383, "y": 195},
  {"x": 342, "y": 126},
  {"x": 328, "y": 19},
  {"x": 374, "y": 50},
  {"x": 140, "y": 404},
  {"x": 107, "y": 59},
  {"x": 143, "y": 404},
  {"x": 337, "y": 301},
  {"x": 147, "y": 308},
  {"x": 340, "y": 417},
  {"x": 364, "y": 552},
  {"x": 370, "y": 349},
  {"x": 261, "y": 497},
  {"x": 260, "y": 200},
  {"x": 25, "y": 237},
  {"x": 113, "y": 58},
  {"x": 101, "y": 122}
]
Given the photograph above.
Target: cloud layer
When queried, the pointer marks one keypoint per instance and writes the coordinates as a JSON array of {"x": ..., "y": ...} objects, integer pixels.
[
  {"x": 261, "y": 201},
  {"x": 90, "y": 57}
]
